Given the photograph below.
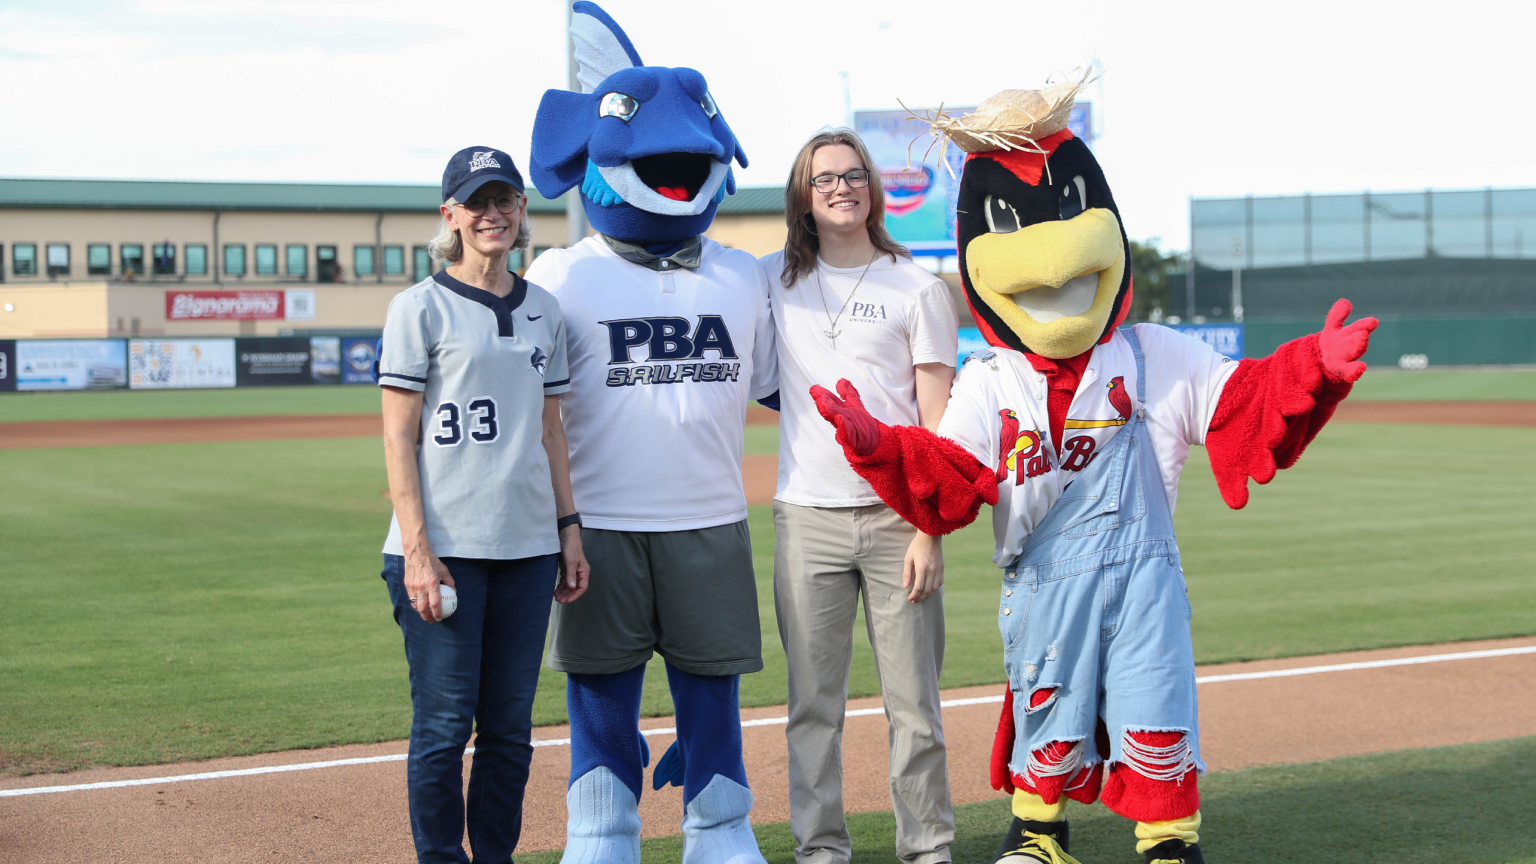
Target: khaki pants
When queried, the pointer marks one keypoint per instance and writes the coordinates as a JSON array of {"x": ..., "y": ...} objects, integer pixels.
[{"x": 824, "y": 559}]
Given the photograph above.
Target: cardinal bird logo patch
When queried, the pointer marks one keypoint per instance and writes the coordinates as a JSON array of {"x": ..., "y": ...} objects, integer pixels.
[
  {"x": 1118, "y": 399},
  {"x": 1019, "y": 451}
]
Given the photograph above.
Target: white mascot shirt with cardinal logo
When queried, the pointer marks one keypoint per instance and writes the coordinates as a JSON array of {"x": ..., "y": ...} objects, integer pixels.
[{"x": 1002, "y": 396}]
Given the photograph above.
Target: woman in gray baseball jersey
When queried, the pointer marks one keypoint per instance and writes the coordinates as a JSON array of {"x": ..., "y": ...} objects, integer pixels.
[{"x": 472, "y": 364}]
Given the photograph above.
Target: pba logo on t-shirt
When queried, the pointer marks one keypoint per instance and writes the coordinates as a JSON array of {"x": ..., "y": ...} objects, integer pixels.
[{"x": 670, "y": 339}]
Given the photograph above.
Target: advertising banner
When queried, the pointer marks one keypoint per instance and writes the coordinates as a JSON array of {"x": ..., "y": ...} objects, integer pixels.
[
  {"x": 7, "y": 365},
  {"x": 71, "y": 364},
  {"x": 1227, "y": 339},
  {"x": 357, "y": 358},
  {"x": 208, "y": 305},
  {"x": 920, "y": 193},
  {"x": 921, "y": 189},
  {"x": 272, "y": 361},
  {"x": 325, "y": 359},
  {"x": 157, "y": 364}
]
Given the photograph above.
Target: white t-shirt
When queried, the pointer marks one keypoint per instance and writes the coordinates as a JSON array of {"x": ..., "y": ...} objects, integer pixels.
[
  {"x": 899, "y": 316},
  {"x": 663, "y": 364},
  {"x": 1185, "y": 378}
]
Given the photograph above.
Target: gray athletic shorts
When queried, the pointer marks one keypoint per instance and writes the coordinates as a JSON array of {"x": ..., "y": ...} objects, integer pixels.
[{"x": 688, "y": 595}]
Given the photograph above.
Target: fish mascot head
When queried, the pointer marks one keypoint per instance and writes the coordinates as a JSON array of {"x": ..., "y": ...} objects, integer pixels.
[{"x": 646, "y": 145}]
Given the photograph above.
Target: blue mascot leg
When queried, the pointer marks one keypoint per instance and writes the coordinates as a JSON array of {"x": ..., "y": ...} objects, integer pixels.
[
  {"x": 716, "y": 801},
  {"x": 608, "y": 758}
]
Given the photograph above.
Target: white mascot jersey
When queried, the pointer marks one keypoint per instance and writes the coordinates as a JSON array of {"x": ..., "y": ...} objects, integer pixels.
[
  {"x": 998, "y": 388},
  {"x": 663, "y": 365}
]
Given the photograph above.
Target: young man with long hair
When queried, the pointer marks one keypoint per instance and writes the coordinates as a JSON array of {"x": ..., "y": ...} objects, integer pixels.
[{"x": 848, "y": 302}]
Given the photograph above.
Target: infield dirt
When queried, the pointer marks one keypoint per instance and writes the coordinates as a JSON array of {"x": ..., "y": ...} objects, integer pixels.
[{"x": 358, "y": 812}]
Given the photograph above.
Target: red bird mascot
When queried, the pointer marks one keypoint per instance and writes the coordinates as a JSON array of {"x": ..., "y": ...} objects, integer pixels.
[{"x": 1076, "y": 429}]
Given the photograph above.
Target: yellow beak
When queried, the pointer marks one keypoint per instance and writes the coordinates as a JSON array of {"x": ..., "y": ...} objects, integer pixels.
[{"x": 1052, "y": 283}]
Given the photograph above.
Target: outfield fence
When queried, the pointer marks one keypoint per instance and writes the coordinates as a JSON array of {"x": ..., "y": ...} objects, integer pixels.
[{"x": 179, "y": 363}]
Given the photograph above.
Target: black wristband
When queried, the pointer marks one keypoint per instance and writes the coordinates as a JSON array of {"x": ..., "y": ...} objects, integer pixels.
[{"x": 565, "y": 521}]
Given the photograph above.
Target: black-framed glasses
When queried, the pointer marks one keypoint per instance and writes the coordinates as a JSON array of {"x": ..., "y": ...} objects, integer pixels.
[
  {"x": 476, "y": 206},
  {"x": 858, "y": 178}
]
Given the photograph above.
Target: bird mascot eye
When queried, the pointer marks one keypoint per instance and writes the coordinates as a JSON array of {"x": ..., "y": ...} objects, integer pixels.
[
  {"x": 618, "y": 105},
  {"x": 1074, "y": 197},
  {"x": 708, "y": 104},
  {"x": 1001, "y": 217}
]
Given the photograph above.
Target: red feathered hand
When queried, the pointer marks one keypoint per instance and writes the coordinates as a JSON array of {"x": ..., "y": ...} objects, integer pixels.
[
  {"x": 1272, "y": 408},
  {"x": 931, "y": 482},
  {"x": 1342, "y": 347},
  {"x": 857, "y": 429}
]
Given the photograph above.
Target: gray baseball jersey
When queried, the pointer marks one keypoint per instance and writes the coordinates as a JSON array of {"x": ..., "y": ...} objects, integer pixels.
[{"x": 485, "y": 364}]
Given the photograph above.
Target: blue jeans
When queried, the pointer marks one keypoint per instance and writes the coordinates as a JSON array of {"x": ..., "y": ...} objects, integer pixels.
[{"x": 477, "y": 669}]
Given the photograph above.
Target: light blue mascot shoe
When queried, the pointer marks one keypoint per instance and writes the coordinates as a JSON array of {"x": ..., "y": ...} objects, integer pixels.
[
  {"x": 716, "y": 828},
  {"x": 604, "y": 824}
]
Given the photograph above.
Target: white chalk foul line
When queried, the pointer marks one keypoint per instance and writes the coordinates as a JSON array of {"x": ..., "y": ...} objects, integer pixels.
[{"x": 766, "y": 721}]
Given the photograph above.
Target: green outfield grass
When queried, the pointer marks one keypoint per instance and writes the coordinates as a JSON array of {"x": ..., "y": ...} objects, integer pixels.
[
  {"x": 253, "y": 401},
  {"x": 181, "y": 602},
  {"x": 1470, "y": 804},
  {"x": 1431, "y": 385}
]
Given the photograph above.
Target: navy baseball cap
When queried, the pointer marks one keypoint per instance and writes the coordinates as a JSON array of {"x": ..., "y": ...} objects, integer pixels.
[{"x": 473, "y": 167}]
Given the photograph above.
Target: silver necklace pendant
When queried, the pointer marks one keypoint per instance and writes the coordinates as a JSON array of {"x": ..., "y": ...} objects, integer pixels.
[{"x": 832, "y": 335}]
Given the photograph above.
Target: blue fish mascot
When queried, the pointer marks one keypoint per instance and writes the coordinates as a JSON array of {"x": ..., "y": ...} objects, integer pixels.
[{"x": 669, "y": 337}]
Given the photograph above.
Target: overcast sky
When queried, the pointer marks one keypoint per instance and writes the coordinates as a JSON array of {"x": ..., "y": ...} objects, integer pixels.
[{"x": 1203, "y": 99}]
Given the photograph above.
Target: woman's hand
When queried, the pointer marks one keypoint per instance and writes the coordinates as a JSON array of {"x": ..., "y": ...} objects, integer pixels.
[
  {"x": 574, "y": 569},
  {"x": 923, "y": 570},
  {"x": 424, "y": 571}
]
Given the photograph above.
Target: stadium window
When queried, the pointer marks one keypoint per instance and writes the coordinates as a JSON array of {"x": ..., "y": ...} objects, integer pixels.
[
  {"x": 362, "y": 260},
  {"x": 24, "y": 259},
  {"x": 298, "y": 260},
  {"x": 98, "y": 260},
  {"x": 132, "y": 257},
  {"x": 58, "y": 259},
  {"x": 197, "y": 259},
  {"x": 234, "y": 261},
  {"x": 164, "y": 262},
  {"x": 327, "y": 268},
  {"x": 421, "y": 263},
  {"x": 266, "y": 260},
  {"x": 394, "y": 260}
]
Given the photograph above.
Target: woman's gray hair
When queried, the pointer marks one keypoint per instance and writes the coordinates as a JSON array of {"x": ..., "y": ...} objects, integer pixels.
[{"x": 447, "y": 247}]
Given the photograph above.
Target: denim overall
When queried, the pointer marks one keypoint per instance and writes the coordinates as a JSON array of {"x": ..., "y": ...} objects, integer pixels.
[{"x": 1095, "y": 607}]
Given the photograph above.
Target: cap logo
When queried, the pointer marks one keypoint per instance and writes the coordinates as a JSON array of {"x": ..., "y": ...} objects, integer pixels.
[{"x": 483, "y": 159}]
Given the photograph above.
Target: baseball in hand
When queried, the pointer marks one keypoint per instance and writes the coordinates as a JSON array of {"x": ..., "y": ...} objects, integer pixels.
[{"x": 450, "y": 599}]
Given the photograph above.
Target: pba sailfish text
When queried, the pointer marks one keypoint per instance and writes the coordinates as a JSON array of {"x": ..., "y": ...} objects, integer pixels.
[{"x": 670, "y": 338}]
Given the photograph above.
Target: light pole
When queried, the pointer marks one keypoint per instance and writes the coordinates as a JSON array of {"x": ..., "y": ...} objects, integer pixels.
[{"x": 1237, "y": 278}]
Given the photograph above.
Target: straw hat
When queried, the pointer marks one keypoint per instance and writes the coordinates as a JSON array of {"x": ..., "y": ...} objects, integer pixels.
[{"x": 1013, "y": 119}]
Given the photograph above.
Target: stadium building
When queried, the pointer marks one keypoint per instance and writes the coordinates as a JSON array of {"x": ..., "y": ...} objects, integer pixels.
[
  {"x": 1452, "y": 274},
  {"x": 93, "y": 258}
]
